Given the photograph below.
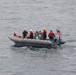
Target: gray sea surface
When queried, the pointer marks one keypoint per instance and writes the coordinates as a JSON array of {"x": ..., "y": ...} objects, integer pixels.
[{"x": 17, "y": 15}]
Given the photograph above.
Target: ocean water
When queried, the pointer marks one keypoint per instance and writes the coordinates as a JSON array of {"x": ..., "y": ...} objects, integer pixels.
[{"x": 17, "y": 15}]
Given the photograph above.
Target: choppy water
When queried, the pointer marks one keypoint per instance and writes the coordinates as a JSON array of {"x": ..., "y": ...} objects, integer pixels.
[{"x": 15, "y": 15}]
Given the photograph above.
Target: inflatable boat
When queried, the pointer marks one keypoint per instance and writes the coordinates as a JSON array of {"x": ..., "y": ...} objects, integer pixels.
[{"x": 20, "y": 42}]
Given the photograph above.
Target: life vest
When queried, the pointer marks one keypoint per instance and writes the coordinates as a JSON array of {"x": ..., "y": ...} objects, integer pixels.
[
  {"x": 51, "y": 34},
  {"x": 31, "y": 34}
]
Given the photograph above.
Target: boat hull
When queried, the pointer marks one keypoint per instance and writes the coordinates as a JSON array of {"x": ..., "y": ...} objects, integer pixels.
[
  {"x": 20, "y": 42},
  {"x": 30, "y": 42}
]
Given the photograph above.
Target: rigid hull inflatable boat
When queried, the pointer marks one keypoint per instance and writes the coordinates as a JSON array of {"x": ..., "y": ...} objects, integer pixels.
[{"x": 20, "y": 42}]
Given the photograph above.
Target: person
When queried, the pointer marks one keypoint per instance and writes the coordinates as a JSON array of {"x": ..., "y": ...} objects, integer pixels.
[
  {"x": 40, "y": 35},
  {"x": 44, "y": 34},
  {"x": 24, "y": 33},
  {"x": 31, "y": 36},
  {"x": 36, "y": 34},
  {"x": 15, "y": 35},
  {"x": 51, "y": 35},
  {"x": 59, "y": 33}
]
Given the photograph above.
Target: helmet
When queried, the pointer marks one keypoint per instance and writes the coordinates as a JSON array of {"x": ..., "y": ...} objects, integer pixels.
[
  {"x": 50, "y": 30},
  {"x": 44, "y": 28},
  {"x": 30, "y": 29}
]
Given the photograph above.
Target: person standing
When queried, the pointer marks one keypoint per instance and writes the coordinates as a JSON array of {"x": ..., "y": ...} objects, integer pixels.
[
  {"x": 59, "y": 33},
  {"x": 44, "y": 34},
  {"x": 31, "y": 36},
  {"x": 24, "y": 33}
]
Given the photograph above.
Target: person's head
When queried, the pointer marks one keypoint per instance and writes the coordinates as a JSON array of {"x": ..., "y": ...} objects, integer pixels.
[
  {"x": 36, "y": 31},
  {"x": 30, "y": 30},
  {"x": 44, "y": 29},
  {"x": 50, "y": 30},
  {"x": 39, "y": 31},
  {"x": 14, "y": 34}
]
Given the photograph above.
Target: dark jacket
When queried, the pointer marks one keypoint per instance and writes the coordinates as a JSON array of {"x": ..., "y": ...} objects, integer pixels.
[{"x": 24, "y": 33}]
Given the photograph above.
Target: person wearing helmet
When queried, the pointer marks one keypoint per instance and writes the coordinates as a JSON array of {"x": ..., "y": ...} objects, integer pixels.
[
  {"x": 31, "y": 36},
  {"x": 51, "y": 35},
  {"x": 24, "y": 33},
  {"x": 44, "y": 34}
]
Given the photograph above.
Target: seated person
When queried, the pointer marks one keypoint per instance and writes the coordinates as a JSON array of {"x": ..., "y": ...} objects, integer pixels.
[
  {"x": 36, "y": 35},
  {"x": 16, "y": 35},
  {"x": 51, "y": 35},
  {"x": 40, "y": 35}
]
